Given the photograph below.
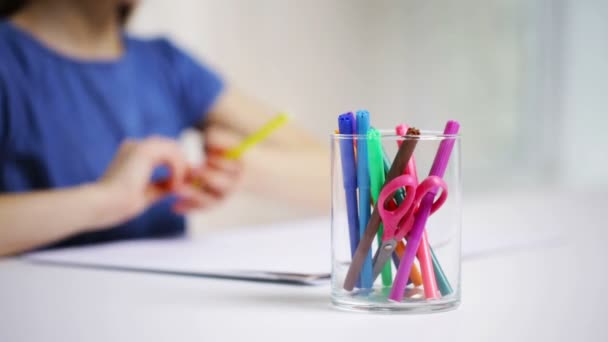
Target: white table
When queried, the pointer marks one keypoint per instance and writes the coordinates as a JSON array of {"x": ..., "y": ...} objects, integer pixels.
[{"x": 553, "y": 293}]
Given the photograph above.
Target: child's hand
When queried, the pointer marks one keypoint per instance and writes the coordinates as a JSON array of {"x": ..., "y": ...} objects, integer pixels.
[
  {"x": 210, "y": 184},
  {"x": 217, "y": 178},
  {"x": 128, "y": 177}
]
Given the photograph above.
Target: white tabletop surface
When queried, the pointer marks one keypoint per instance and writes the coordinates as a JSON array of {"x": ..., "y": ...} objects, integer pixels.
[{"x": 546, "y": 293}]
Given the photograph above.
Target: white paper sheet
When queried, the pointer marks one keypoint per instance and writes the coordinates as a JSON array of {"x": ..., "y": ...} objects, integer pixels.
[
  {"x": 300, "y": 247},
  {"x": 272, "y": 248}
]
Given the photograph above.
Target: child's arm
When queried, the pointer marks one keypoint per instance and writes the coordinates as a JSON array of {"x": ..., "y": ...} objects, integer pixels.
[
  {"x": 291, "y": 165},
  {"x": 34, "y": 219},
  {"x": 31, "y": 220}
]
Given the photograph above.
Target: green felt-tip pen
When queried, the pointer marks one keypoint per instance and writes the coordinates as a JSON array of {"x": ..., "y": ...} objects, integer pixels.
[{"x": 376, "y": 175}]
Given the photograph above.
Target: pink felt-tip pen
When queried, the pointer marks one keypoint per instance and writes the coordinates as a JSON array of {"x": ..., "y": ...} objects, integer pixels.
[{"x": 424, "y": 252}]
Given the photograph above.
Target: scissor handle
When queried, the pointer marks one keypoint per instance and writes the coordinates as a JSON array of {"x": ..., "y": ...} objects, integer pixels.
[
  {"x": 391, "y": 218},
  {"x": 432, "y": 184}
]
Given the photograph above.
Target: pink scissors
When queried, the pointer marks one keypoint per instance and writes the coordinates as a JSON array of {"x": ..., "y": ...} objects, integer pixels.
[{"x": 398, "y": 222}]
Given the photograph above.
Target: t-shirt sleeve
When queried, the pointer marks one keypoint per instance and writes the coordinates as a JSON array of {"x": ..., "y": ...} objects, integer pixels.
[
  {"x": 3, "y": 111},
  {"x": 196, "y": 86}
]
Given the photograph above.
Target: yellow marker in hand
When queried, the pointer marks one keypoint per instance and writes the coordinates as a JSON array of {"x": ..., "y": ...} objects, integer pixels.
[{"x": 257, "y": 137}]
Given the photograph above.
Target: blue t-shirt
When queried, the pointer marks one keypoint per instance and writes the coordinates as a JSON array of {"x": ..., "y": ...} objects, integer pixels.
[{"x": 63, "y": 119}]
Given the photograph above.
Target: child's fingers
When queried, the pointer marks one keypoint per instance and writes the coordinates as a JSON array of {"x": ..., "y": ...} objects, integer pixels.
[
  {"x": 220, "y": 163},
  {"x": 219, "y": 137},
  {"x": 154, "y": 193},
  {"x": 217, "y": 183},
  {"x": 184, "y": 207},
  {"x": 190, "y": 197},
  {"x": 180, "y": 208},
  {"x": 163, "y": 151},
  {"x": 215, "y": 151}
]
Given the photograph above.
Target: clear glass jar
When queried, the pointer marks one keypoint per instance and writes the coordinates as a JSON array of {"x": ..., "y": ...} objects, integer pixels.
[{"x": 433, "y": 283}]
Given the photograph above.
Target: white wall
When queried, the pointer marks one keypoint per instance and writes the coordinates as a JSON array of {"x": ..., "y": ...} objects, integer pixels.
[
  {"x": 585, "y": 95},
  {"x": 517, "y": 74}
]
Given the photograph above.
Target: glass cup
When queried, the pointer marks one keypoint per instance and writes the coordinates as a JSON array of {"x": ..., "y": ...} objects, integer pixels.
[{"x": 406, "y": 278}]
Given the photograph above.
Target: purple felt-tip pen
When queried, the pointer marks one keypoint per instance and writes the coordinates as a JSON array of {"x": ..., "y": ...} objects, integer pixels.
[{"x": 415, "y": 235}]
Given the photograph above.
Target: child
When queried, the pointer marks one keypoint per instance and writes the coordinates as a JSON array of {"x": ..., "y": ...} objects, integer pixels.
[{"x": 88, "y": 113}]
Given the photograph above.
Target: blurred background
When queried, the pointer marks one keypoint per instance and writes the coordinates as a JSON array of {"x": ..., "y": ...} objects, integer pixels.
[{"x": 528, "y": 80}]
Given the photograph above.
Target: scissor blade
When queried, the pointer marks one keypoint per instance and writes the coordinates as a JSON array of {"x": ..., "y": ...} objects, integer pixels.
[{"x": 383, "y": 254}]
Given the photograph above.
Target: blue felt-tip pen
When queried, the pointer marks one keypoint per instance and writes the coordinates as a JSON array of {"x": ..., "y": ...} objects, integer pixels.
[
  {"x": 349, "y": 177},
  {"x": 363, "y": 183}
]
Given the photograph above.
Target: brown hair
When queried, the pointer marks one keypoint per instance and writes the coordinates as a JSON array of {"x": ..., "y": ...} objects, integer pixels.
[{"x": 10, "y": 7}]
